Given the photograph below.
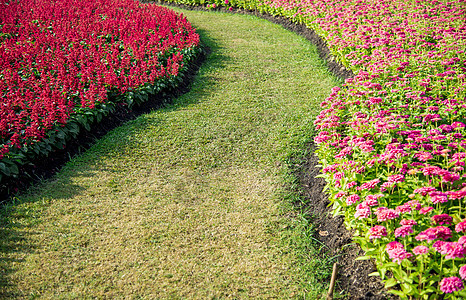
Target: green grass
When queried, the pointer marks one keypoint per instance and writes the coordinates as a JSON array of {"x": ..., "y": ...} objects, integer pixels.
[{"x": 190, "y": 201}]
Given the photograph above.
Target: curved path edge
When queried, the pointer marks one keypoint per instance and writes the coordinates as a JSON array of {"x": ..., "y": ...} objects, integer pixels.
[{"x": 353, "y": 275}]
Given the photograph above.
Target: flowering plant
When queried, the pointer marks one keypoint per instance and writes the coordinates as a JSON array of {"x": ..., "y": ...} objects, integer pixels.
[
  {"x": 391, "y": 140},
  {"x": 395, "y": 132},
  {"x": 65, "y": 64}
]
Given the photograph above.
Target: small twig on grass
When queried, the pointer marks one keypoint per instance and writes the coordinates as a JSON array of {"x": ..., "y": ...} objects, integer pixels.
[{"x": 332, "y": 282}]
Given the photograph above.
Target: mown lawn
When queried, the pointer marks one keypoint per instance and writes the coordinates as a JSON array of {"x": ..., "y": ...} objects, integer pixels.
[{"x": 189, "y": 201}]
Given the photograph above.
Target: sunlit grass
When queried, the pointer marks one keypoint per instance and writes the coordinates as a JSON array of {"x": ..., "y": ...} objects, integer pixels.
[{"x": 191, "y": 201}]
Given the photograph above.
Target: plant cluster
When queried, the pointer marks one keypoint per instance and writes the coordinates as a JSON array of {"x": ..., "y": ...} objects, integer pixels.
[
  {"x": 65, "y": 64},
  {"x": 392, "y": 140}
]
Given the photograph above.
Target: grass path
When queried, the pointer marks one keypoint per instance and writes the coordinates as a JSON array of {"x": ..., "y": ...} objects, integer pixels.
[{"x": 187, "y": 201}]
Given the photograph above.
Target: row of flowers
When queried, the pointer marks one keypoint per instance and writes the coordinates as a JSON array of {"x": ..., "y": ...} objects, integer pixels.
[
  {"x": 64, "y": 64},
  {"x": 392, "y": 139}
]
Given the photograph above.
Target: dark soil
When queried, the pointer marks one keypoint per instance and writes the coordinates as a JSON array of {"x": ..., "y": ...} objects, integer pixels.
[
  {"x": 352, "y": 274},
  {"x": 352, "y": 277}
]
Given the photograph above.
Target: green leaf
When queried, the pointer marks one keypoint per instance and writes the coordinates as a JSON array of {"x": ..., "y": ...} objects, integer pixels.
[
  {"x": 61, "y": 134},
  {"x": 382, "y": 272},
  {"x": 36, "y": 149},
  {"x": 74, "y": 128},
  {"x": 86, "y": 126},
  {"x": 390, "y": 282},
  {"x": 365, "y": 257},
  {"x": 371, "y": 251},
  {"x": 407, "y": 288},
  {"x": 336, "y": 211},
  {"x": 374, "y": 274},
  {"x": 398, "y": 293},
  {"x": 14, "y": 169}
]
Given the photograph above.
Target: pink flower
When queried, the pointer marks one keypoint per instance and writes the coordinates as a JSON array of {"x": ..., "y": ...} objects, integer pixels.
[
  {"x": 414, "y": 204},
  {"x": 377, "y": 232},
  {"x": 451, "y": 250},
  {"x": 384, "y": 214},
  {"x": 418, "y": 250},
  {"x": 460, "y": 227},
  {"x": 362, "y": 213},
  {"x": 424, "y": 156},
  {"x": 340, "y": 194},
  {"x": 403, "y": 231},
  {"x": 453, "y": 195},
  {"x": 408, "y": 222},
  {"x": 393, "y": 245},
  {"x": 451, "y": 284},
  {"x": 397, "y": 252},
  {"x": 430, "y": 234},
  {"x": 430, "y": 170},
  {"x": 386, "y": 185},
  {"x": 438, "y": 245},
  {"x": 424, "y": 190},
  {"x": 442, "y": 219},
  {"x": 463, "y": 272},
  {"x": 462, "y": 240},
  {"x": 446, "y": 128},
  {"x": 373, "y": 199},
  {"x": 350, "y": 200},
  {"x": 425, "y": 210},
  {"x": 371, "y": 203},
  {"x": 369, "y": 185},
  {"x": 456, "y": 125},
  {"x": 438, "y": 197},
  {"x": 448, "y": 176},
  {"x": 344, "y": 152},
  {"x": 403, "y": 208},
  {"x": 338, "y": 175},
  {"x": 330, "y": 169},
  {"x": 351, "y": 184}
]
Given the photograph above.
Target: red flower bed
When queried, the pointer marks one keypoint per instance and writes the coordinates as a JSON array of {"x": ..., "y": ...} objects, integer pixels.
[{"x": 64, "y": 59}]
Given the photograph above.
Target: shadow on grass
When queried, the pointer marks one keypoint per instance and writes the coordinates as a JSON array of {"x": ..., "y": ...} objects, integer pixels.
[{"x": 21, "y": 213}]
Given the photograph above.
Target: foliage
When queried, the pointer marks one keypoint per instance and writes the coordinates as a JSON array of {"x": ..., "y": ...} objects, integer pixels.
[
  {"x": 392, "y": 139},
  {"x": 66, "y": 64}
]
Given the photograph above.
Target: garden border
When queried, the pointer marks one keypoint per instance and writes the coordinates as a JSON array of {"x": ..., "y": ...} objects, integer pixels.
[
  {"x": 46, "y": 167},
  {"x": 352, "y": 274}
]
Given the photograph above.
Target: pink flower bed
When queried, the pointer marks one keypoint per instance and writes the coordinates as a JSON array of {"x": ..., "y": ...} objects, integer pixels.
[
  {"x": 392, "y": 140},
  {"x": 63, "y": 58},
  {"x": 397, "y": 131}
]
